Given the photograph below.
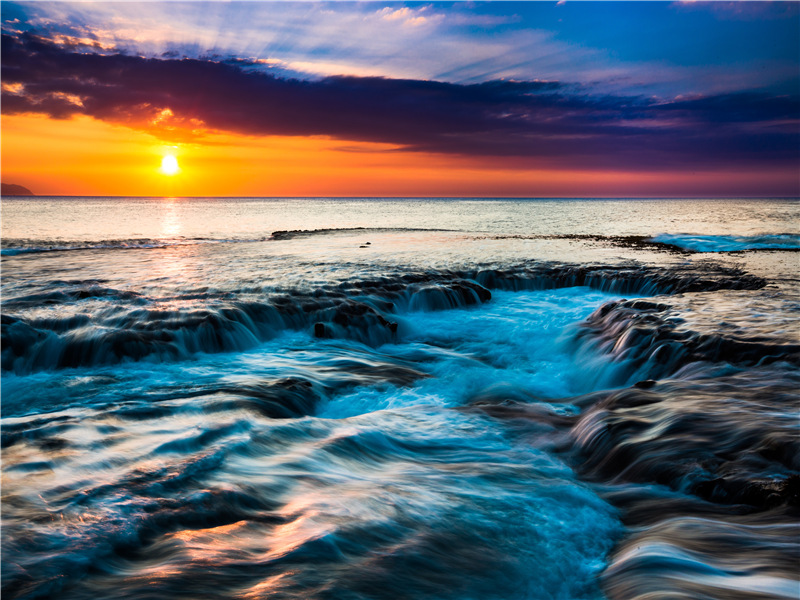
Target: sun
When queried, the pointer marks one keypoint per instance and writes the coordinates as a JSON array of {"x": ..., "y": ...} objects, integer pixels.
[{"x": 169, "y": 165}]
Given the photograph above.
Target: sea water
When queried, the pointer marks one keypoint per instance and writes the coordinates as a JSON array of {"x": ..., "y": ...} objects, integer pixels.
[{"x": 399, "y": 398}]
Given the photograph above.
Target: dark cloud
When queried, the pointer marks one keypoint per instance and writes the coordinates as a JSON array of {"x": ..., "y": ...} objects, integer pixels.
[{"x": 548, "y": 121}]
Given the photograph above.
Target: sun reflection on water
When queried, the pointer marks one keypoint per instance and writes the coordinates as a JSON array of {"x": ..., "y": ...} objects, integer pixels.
[{"x": 171, "y": 225}]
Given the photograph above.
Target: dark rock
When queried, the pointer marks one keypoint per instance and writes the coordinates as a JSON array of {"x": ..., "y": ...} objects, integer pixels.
[
  {"x": 644, "y": 385},
  {"x": 12, "y": 189}
]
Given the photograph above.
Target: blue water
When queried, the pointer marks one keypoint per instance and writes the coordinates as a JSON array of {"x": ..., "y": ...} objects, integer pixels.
[
  {"x": 291, "y": 398},
  {"x": 730, "y": 243}
]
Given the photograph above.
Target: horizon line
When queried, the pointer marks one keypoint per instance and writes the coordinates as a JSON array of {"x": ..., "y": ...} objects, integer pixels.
[{"x": 409, "y": 197}]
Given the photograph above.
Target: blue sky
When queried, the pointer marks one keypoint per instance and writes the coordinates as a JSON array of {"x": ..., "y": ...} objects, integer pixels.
[{"x": 659, "y": 48}]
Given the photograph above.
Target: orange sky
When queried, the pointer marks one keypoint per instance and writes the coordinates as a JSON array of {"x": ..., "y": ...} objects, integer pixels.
[{"x": 83, "y": 156}]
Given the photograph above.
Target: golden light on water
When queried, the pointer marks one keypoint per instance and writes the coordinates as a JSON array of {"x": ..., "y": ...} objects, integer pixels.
[{"x": 169, "y": 165}]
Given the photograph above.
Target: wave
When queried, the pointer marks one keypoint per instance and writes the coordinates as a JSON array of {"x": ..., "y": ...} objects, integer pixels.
[
  {"x": 720, "y": 439},
  {"x": 69, "y": 292},
  {"x": 365, "y": 311},
  {"x": 700, "y": 555},
  {"x": 634, "y": 341},
  {"x": 729, "y": 243},
  {"x": 684, "y": 243},
  {"x": 385, "y": 506},
  {"x": 705, "y": 473},
  {"x": 295, "y": 233},
  {"x": 677, "y": 243},
  {"x": 15, "y": 247}
]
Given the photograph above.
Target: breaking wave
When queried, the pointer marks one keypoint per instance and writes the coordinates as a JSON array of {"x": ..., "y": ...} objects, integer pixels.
[{"x": 729, "y": 243}]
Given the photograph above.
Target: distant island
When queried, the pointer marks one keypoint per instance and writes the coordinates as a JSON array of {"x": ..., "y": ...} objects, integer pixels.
[{"x": 12, "y": 189}]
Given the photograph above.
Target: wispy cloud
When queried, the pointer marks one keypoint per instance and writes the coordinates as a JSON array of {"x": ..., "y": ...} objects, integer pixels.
[
  {"x": 411, "y": 17},
  {"x": 453, "y": 43}
]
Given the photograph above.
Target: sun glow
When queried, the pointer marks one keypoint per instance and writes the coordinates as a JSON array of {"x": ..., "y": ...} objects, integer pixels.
[{"x": 169, "y": 165}]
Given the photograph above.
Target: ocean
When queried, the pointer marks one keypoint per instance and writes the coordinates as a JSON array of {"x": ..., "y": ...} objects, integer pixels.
[{"x": 320, "y": 398}]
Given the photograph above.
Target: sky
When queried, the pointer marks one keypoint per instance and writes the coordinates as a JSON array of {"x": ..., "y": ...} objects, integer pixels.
[{"x": 497, "y": 99}]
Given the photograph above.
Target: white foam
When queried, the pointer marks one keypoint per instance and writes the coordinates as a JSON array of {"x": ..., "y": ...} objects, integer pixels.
[
  {"x": 729, "y": 243},
  {"x": 515, "y": 342}
]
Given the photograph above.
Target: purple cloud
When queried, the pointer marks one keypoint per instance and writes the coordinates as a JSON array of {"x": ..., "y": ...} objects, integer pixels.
[{"x": 549, "y": 123}]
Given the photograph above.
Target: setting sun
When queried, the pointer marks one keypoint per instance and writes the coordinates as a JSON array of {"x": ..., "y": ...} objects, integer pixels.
[{"x": 169, "y": 165}]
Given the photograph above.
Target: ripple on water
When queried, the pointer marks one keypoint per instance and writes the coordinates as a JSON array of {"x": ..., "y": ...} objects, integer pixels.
[{"x": 411, "y": 503}]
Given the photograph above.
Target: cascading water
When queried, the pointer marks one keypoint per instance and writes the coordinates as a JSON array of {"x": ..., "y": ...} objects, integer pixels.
[{"x": 363, "y": 405}]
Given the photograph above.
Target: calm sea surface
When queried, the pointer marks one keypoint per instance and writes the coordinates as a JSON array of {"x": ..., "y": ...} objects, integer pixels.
[{"x": 400, "y": 398}]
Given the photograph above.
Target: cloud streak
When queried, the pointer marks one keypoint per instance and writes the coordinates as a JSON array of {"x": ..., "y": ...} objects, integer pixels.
[
  {"x": 547, "y": 123},
  {"x": 598, "y": 45}
]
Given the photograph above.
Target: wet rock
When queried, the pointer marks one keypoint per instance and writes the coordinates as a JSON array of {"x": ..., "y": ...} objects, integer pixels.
[{"x": 715, "y": 438}]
